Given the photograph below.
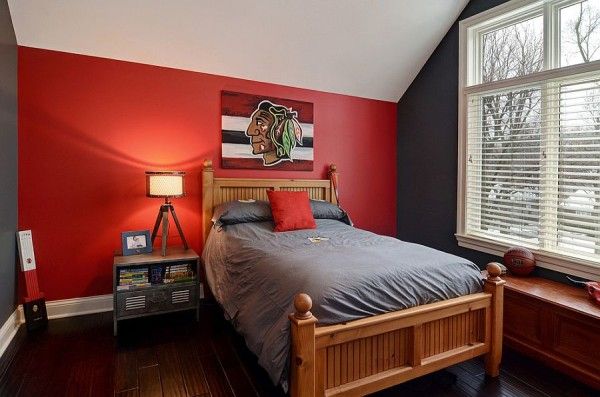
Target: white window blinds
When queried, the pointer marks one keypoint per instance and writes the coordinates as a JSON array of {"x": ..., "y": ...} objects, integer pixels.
[{"x": 533, "y": 165}]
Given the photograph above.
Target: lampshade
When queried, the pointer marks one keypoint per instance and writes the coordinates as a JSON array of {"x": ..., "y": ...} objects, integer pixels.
[{"x": 165, "y": 184}]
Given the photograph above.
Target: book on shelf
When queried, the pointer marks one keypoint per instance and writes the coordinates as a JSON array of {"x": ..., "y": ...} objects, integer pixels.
[
  {"x": 133, "y": 271},
  {"x": 179, "y": 273},
  {"x": 133, "y": 277},
  {"x": 136, "y": 274},
  {"x": 178, "y": 280},
  {"x": 132, "y": 286}
]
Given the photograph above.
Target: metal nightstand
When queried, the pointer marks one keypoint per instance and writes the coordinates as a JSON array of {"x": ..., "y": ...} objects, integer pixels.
[{"x": 156, "y": 298}]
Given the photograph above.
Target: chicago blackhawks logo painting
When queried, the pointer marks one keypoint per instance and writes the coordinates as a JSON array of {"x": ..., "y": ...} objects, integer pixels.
[{"x": 266, "y": 133}]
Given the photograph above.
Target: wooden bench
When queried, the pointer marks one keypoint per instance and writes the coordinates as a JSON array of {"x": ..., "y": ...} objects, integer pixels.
[{"x": 555, "y": 323}]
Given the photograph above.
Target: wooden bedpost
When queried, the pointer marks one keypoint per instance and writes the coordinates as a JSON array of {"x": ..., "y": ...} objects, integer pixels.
[
  {"x": 207, "y": 197},
  {"x": 334, "y": 180},
  {"x": 495, "y": 286},
  {"x": 302, "y": 361}
]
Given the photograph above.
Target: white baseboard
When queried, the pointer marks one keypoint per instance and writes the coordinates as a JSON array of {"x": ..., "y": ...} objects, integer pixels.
[
  {"x": 79, "y": 306},
  {"x": 56, "y": 309},
  {"x": 9, "y": 330}
]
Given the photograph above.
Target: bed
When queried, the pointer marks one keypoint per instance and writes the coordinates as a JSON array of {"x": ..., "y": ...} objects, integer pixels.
[{"x": 392, "y": 333}]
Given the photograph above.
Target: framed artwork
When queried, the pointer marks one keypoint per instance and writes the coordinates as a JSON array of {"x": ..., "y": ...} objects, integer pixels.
[
  {"x": 136, "y": 242},
  {"x": 261, "y": 132}
]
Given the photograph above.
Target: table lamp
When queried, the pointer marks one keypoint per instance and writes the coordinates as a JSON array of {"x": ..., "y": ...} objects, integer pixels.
[{"x": 167, "y": 185}]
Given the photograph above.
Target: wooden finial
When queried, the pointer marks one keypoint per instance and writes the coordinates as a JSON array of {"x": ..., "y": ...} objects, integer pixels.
[
  {"x": 333, "y": 178},
  {"x": 494, "y": 271},
  {"x": 207, "y": 164},
  {"x": 302, "y": 304}
]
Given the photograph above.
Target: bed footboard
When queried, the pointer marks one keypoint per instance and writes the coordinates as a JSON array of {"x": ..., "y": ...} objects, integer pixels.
[{"x": 377, "y": 352}]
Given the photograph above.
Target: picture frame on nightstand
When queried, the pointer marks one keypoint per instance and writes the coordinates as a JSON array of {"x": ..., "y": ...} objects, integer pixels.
[{"x": 136, "y": 242}]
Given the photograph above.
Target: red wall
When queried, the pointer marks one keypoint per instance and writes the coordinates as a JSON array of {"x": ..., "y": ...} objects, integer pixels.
[{"x": 89, "y": 128}]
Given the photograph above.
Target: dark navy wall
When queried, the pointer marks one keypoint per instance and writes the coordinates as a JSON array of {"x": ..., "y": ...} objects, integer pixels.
[{"x": 8, "y": 162}]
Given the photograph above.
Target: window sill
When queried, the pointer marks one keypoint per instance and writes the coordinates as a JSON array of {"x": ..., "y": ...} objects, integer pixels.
[{"x": 560, "y": 263}]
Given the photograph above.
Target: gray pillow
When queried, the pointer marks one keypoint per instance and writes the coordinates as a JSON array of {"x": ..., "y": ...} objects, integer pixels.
[
  {"x": 233, "y": 212},
  {"x": 326, "y": 210}
]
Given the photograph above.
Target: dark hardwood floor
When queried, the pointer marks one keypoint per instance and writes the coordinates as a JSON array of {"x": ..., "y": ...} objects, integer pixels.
[{"x": 172, "y": 355}]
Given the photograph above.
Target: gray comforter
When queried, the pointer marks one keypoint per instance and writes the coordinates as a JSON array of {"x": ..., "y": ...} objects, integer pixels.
[{"x": 255, "y": 273}]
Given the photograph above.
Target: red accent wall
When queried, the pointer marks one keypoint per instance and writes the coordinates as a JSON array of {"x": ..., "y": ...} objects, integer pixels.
[{"x": 89, "y": 127}]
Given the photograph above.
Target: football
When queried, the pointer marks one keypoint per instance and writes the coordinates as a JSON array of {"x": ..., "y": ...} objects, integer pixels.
[{"x": 519, "y": 261}]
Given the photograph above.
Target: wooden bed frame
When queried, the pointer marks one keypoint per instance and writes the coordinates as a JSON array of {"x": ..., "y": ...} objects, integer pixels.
[{"x": 373, "y": 353}]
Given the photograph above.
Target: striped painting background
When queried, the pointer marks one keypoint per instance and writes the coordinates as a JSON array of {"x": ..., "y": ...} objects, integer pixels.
[{"x": 236, "y": 151}]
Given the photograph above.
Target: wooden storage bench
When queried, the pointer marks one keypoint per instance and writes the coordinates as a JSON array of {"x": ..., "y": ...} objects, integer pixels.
[{"x": 555, "y": 323}]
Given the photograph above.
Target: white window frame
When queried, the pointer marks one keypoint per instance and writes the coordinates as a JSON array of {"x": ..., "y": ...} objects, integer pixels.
[{"x": 470, "y": 30}]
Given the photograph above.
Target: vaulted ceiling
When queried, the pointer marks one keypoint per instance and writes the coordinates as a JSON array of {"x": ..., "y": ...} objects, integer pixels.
[{"x": 366, "y": 48}]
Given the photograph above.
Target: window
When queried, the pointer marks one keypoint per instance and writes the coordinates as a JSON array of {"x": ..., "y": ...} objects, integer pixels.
[{"x": 529, "y": 132}]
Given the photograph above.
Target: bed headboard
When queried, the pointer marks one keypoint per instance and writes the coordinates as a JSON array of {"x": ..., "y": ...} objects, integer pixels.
[{"x": 219, "y": 190}]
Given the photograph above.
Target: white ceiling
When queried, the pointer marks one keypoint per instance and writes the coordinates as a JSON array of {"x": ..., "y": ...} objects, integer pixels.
[{"x": 366, "y": 48}]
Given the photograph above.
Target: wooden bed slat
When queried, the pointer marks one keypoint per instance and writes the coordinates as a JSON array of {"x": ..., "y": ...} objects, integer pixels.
[{"x": 350, "y": 360}]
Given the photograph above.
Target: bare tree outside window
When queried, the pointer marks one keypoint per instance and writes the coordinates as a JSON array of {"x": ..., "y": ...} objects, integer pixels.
[
  {"x": 580, "y": 33},
  {"x": 510, "y": 131},
  {"x": 516, "y": 50}
]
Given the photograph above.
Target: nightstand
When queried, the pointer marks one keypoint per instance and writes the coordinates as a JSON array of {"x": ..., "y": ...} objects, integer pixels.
[{"x": 132, "y": 299}]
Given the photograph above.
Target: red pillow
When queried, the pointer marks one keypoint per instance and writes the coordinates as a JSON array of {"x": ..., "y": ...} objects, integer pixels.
[{"x": 291, "y": 211}]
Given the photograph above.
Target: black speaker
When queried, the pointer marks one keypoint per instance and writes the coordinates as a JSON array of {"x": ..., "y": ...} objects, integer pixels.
[{"x": 35, "y": 314}]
